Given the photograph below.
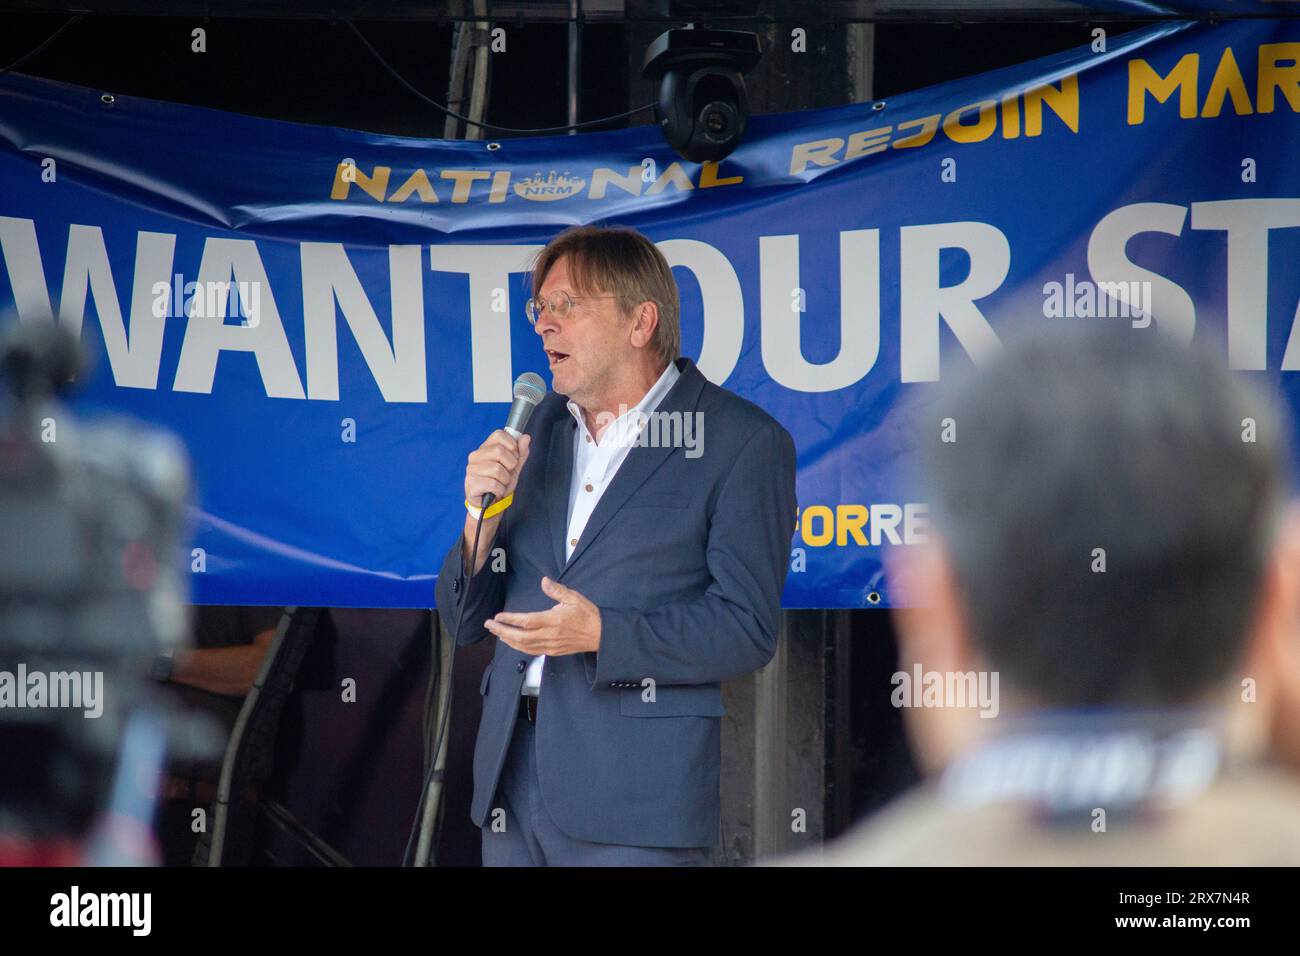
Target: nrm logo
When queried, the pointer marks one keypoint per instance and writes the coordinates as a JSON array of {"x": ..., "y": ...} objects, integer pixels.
[
  {"x": 460, "y": 185},
  {"x": 552, "y": 187}
]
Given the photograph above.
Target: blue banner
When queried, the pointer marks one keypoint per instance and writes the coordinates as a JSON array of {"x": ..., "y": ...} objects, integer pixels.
[{"x": 331, "y": 320}]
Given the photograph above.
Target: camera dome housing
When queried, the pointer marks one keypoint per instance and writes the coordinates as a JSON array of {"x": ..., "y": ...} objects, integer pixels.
[{"x": 702, "y": 106}]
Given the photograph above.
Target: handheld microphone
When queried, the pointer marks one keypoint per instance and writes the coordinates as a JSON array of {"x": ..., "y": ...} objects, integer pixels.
[{"x": 529, "y": 392}]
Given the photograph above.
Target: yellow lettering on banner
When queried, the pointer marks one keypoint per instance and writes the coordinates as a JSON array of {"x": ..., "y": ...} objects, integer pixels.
[
  {"x": 928, "y": 124},
  {"x": 986, "y": 122},
  {"x": 1064, "y": 102},
  {"x": 709, "y": 176},
  {"x": 866, "y": 526},
  {"x": 418, "y": 183},
  {"x": 823, "y": 517},
  {"x": 850, "y": 519},
  {"x": 1273, "y": 76},
  {"x": 1010, "y": 117},
  {"x": 463, "y": 179},
  {"x": 500, "y": 184},
  {"x": 1227, "y": 81},
  {"x": 867, "y": 142},
  {"x": 819, "y": 152},
  {"x": 374, "y": 185},
  {"x": 602, "y": 177},
  {"x": 1142, "y": 79},
  {"x": 673, "y": 174}
]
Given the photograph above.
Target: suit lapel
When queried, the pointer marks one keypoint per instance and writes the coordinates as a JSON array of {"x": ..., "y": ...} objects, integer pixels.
[
  {"x": 640, "y": 463},
  {"x": 559, "y": 473}
]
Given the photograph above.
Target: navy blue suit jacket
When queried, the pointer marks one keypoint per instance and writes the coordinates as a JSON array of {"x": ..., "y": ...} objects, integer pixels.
[{"x": 686, "y": 558}]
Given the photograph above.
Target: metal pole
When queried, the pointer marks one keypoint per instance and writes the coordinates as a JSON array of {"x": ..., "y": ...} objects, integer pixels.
[
  {"x": 575, "y": 60},
  {"x": 460, "y": 46},
  {"x": 425, "y": 851}
]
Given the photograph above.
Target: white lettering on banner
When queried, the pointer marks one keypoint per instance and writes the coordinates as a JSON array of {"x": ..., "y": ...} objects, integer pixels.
[
  {"x": 723, "y": 303},
  {"x": 820, "y": 526},
  {"x": 923, "y": 301},
  {"x": 207, "y": 336},
  {"x": 398, "y": 362},
  {"x": 488, "y": 268},
  {"x": 134, "y": 361},
  {"x": 782, "y": 330},
  {"x": 327, "y": 275},
  {"x": 1247, "y": 223},
  {"x": 1169, "y": 304}
]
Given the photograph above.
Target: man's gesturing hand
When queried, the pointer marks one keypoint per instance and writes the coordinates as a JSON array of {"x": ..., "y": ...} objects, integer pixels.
[{"x": 572, "y": 626}]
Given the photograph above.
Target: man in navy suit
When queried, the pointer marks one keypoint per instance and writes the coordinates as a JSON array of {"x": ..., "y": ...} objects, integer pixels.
[{"x": 634, "y": 560}]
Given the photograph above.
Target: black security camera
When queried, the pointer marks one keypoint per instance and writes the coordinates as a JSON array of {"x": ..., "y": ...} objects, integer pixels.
[{"x": 702, "y": 105}]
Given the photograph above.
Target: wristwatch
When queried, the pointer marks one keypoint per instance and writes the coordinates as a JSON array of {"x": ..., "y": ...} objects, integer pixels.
[{"x": 162, "y": 666}]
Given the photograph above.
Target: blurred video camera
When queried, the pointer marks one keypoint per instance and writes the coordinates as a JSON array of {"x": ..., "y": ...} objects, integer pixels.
[{"x": 91, "y": 517}]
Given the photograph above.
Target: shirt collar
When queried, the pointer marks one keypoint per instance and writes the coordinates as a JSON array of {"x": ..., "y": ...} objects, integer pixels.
[
  {"x": 625, "y": 427},
  {"x": 1063, "y": 762}
]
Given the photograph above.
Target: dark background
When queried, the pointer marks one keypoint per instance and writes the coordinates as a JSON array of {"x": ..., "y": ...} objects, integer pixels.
[{"x": 315, "y": 70}]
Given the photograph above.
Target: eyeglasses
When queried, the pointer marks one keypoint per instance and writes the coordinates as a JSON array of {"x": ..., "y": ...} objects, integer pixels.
[{"x": 560, "y": 303}]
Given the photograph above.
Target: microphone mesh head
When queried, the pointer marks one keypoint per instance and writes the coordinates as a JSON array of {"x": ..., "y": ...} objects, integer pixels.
[{"x": 530, "y": 388}]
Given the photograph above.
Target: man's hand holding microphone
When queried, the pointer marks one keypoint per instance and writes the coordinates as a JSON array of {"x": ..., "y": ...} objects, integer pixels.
[
  {"x": 491, "y": 475},
  {"x": 493, "y": 469}
]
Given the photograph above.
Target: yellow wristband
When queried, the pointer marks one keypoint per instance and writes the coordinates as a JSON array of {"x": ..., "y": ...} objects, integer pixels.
[{"x": 493, "y": 509}]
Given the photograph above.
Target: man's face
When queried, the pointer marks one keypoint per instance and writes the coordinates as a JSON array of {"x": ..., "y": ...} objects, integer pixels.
[{"x": 586, "y": 347}]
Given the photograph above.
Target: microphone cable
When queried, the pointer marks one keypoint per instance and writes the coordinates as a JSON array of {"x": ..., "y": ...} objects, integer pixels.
[{"x": 446, "y": 710}]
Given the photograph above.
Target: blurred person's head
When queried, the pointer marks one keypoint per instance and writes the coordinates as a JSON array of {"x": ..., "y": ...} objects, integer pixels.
[{"x": 1109, "y": 529}]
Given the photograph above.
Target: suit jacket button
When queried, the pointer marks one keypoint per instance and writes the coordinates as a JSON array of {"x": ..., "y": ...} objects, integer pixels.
[
  {"x": 455, "y": 585},
  {"x": 521, "y": 667}
]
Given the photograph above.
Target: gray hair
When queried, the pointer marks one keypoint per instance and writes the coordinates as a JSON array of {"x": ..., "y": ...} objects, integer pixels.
[
  {"x": 619, "y": 261},
  {"x": 1093, "y": 436}
]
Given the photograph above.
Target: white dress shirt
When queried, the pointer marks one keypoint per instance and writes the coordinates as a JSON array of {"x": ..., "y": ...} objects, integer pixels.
[{"x": 595, "y": 463}]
